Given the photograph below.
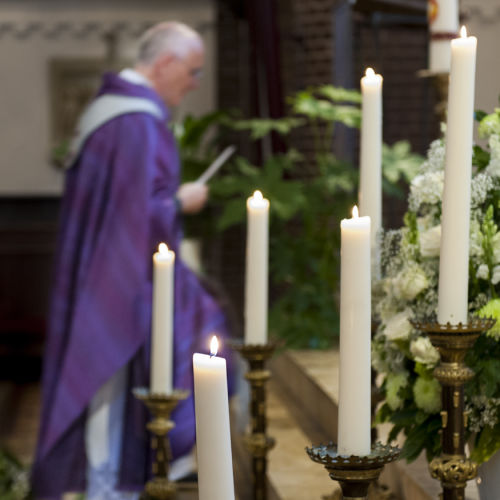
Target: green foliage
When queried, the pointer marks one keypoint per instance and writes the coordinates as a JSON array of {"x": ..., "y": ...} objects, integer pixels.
[
  {"x": 59, "y": 153},
  {"x": 400, "y": 166},
  {"x": 198, "y": 139},
  {"x": 321, "y": 104},
  {"x": 420, "y": 429},
  {"x": 243, "y": 179},
  {"x": 14, "y": 484},
  {"x": 487, "y": 444},
  {"x": 260, "y": 127},
  {"x": 305, "y": 209},
  {"x": 480, "y": 157}
]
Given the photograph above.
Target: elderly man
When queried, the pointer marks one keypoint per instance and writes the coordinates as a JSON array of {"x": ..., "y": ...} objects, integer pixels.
[{"x": 122, "y": 198}]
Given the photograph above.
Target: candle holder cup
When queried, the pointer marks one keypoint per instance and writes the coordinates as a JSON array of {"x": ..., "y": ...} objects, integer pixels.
[
  {"x": 160, "y": 406},
  {"x": 354, "y": 473},
  {"x": 453, "y": 468},
  {"x": 257, "y": 442}
]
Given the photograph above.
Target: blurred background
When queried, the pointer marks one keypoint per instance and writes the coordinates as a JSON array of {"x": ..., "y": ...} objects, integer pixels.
[{"x": 258, "y": 53}]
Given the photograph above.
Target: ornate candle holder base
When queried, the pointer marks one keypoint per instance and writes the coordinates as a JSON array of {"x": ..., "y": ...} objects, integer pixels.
[
  {"x": 453, "y": 473},
  {"x": 452, "y": 468},
  {"x": 257, "y": 442},
  {"x": 160, "y": 406},
  {"x": 354, "y": 473}
]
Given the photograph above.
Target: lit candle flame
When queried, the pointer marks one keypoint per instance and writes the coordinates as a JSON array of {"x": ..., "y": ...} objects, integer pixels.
[
  {"x": 214, "y": 346},
  {"x": 463, "y": 32},
  {"x": 163, "y": 249},
  {"x": 369, "y": 72},
  {"x": 355, "y": 212},
  {"x": 257, "y": 195}
]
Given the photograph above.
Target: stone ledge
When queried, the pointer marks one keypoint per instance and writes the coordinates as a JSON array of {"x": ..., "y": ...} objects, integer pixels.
[{"x": 305, "y": 385}]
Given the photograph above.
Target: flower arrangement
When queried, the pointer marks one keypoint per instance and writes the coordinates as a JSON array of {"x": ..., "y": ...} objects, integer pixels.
[{"x": 408, "y": 289}]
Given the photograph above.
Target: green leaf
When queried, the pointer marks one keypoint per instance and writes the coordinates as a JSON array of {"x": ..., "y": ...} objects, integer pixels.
[
  {"x": 399, "y": 163},
  {"x": 260, "y": 127},
  {"x": 424, "y": 435},
  {"x": 487, "y": 444},
  {"x": 339, "y": 94},
  {"x": 234, "y": 213},
  {"x": 191, "y": 132},
  {"x": 480, "y": 157},
  {"x": 321, "y": 109},
  {"x": 479, "y": 115}
]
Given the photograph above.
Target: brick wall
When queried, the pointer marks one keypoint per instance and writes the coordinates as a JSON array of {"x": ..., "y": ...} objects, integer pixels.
[{"x": 316, "y": 47}]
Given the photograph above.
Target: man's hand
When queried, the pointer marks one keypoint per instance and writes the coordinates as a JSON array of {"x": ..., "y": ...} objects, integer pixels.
[{"x": 192, "y": 197}]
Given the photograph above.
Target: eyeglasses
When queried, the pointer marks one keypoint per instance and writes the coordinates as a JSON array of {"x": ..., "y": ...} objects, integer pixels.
[{"x": 195, "y": 73}]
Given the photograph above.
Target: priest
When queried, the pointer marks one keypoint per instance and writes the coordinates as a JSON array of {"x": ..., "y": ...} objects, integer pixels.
[{"x": 122, "y": 198}]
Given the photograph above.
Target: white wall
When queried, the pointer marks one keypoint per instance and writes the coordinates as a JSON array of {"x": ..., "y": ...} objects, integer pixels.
[
  {"x": 482, "y": 18},
  {"x": 34, "y": 32}
]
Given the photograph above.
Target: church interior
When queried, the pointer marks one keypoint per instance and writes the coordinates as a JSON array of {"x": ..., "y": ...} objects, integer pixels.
[{"x": 259, "y": 56}]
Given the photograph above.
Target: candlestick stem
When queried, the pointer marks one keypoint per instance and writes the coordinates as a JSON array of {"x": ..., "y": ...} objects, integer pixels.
[
  {"x": 257, "y": 442},
  {"x": 160, "y": 406},
  {"x": 453, "y": 468}
]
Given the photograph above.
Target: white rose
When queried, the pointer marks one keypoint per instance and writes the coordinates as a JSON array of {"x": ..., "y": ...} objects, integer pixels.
[
  {"x": 495, "y": 275},
  {"x": 398, "y": 327},
  {"x": 495, "y": 242},
  {"x": 483, "y": 272},
  {"x": 425, "y": 222},
  {"x": 430, "y": 242},
  {"x": 424, "y": 352},
  {"x": 411, "y": 282},
  {"x": 476, "y": 239}
]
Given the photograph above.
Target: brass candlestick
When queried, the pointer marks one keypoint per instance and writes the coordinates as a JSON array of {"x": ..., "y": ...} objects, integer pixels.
[
  {"x": 257, "y": 442},
  {"x": 354, "y": 473},
  {"x": 160, "y": 406},
  {"x": 453, "y": 468}
]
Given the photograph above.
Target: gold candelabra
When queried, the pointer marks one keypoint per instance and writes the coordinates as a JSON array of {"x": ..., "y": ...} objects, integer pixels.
[
  {"x": 258, "y": 443},
  {"x": 354, "y": 473},
  {"x": 453, "y": 468},
  {"x": 160, "y": 406}
]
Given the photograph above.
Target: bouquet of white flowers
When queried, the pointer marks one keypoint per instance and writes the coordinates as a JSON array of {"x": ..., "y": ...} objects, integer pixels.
[{"x": 408, "y": 289}]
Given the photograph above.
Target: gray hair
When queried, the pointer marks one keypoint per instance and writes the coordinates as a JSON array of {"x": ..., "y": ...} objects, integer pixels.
[{"x": 168, "y": 38}]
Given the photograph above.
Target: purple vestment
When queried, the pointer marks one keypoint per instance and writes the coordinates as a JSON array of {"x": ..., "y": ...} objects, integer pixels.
[{"x": 118, "y": 206}]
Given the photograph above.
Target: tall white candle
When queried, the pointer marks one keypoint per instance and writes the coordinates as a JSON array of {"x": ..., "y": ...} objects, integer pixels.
[
  {"x": 443, "y": 27},
  {"x": 256, "y": 281},
  {"x": 163, "y": 320},
  {"x": 213, "y": 437},
  {"x": 355, "y": 336},
  {"x": 370, "y": 182},
  {"x": 454, "y": 257}
]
